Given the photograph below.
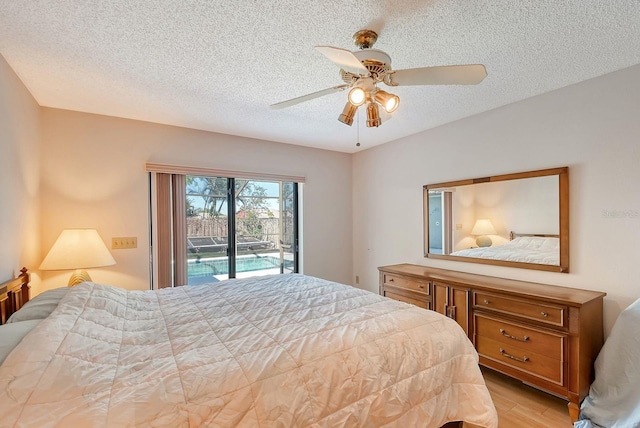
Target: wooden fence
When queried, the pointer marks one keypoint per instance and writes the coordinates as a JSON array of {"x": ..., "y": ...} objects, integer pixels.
[{"x": 265, "y": 229}]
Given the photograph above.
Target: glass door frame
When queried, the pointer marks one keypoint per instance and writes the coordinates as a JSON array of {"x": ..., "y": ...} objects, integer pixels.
[{"x": 232, "y": 195}]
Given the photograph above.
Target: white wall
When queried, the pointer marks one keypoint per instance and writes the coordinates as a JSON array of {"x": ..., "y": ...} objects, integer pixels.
[
  {"x": 592, "y": 127},
  {"x": 19, "y": 177},
  {"x": 527, "y": 205},
  {"x": 93, "y": 176}
]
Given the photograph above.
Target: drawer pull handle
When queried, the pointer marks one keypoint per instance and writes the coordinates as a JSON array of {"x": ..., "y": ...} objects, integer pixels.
[
  {"x": 505, "y": 334},
  {"x": 390, "y": 279},
  {"x": 486, "y": 302},
  {"x": 420, "y": 286},
  {"x": 544, "y": 314},
  {"x": 522, "y": 360}
]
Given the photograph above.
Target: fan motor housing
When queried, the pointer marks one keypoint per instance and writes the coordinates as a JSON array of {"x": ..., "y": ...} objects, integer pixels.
[
  {"x": 376, "y": 61},
  {"x": 373, "y": 55}
]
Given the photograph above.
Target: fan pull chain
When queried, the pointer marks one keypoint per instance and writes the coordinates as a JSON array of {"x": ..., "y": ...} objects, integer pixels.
[{"x": 358, "y": 130}]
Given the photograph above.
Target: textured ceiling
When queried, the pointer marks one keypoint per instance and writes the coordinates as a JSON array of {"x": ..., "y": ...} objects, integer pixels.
[{"x": 218, "y": 65}]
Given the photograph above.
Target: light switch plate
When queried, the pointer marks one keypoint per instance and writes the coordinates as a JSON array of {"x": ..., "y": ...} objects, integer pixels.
[{"x": 123, "y": 243}]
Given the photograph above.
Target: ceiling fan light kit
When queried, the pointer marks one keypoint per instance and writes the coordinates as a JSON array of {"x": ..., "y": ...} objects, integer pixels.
[
  {"x": 389, "y": 101},
  {"x": 347, "y": 114},
  {"x": 357, "y": 96},
  {"x": 373, "y": 115},
  {"x": 362, "y": 70}
]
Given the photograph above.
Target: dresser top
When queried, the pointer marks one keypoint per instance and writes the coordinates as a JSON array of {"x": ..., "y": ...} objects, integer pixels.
[{"x": 566, "y": 295}]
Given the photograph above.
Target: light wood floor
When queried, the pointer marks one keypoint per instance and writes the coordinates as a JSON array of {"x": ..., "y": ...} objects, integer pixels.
[{"x": 519, "y": 405}]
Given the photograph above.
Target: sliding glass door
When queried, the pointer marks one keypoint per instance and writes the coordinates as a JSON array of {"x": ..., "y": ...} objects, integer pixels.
[
  {"x": 240, "y": 228},
  {"x": 288, "y": 228},
  {"x": 207, "y": 207},
  {"x": 440, "y": 215}
]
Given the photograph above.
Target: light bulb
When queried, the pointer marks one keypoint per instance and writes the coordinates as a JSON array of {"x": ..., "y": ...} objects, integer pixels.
[
  {"x": 357, "y": 96},
  {"x": 389, "y": 101},
  {"x": 391, "y": 105}
]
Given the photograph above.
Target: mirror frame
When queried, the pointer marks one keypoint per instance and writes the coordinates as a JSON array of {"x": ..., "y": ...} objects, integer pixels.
[{"x": 563, "y": 180}]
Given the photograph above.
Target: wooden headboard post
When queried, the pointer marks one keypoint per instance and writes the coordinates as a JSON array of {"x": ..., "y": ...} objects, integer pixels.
[
  {"x": 13, "y": 295},
  {"x": 513, "y": 235}
]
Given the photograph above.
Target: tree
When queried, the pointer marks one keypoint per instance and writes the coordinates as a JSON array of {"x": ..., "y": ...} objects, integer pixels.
[
  {"x": 192, "y": 211},
  {"x": 287, "y": 214},
  {"x": 213, "y": 192},
  {"x": 251, "y": 198}
]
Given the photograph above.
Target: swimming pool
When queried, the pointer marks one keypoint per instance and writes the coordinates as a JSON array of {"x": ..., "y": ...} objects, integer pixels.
[{"x": 220, "y": 266}]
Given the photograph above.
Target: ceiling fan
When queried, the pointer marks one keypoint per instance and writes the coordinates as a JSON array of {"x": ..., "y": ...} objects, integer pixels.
[{"x": 363, "y": 70}]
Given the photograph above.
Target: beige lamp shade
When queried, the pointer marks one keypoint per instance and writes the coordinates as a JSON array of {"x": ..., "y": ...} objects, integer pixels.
[
  {"x": 78, "y": 249},
  {"x": 483, "y": 227}
]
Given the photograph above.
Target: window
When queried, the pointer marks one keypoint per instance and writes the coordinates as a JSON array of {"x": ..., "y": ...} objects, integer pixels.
[
  {"x": 440, "y": 239},
  {"x": 211, "y": 227},
  {"x": 261, "y": 231}
]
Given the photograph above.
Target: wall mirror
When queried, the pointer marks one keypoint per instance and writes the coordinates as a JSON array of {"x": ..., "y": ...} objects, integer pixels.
[{"x": 517, "y": 220}]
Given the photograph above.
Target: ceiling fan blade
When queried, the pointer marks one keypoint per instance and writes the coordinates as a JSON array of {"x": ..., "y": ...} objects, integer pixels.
[
  {"x": 345, "y": 59},
  {"x": 444, "y": 75},
  {"x": 303, "y": 98}
]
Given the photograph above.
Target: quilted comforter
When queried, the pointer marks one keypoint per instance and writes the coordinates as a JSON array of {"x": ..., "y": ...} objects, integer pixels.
[
  {"x": 527, "y": 249},
  {"x": 282, "y": 350}
]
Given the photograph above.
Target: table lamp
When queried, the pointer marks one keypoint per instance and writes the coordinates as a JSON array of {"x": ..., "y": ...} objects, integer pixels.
[
  {"x": 78, "y": 249},
  {"x": 483, "y": 227}
]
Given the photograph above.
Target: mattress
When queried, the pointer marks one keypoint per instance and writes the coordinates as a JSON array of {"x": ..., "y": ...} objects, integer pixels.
[
  {"x": 281, "y": 350},
  {"x": 527, "y": 249}
]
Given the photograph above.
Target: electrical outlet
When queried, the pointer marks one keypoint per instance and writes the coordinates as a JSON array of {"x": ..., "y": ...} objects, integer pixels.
[
  {"x": 459, "y": 226},
  {"x": 357, "y": 279},
  {"x": 123, "y": 243}
]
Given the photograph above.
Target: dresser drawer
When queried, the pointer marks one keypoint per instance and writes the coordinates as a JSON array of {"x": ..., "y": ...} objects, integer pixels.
[
  {"x": 546, "y": 313},
  {"x": 541, "y": 366},
  {"x": 421, "y": 303},
  {"x": 406, "y": 283},
  {"x": 526, "y": 338}
]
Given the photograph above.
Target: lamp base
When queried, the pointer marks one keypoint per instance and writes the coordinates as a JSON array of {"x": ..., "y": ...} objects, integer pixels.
[
  {"x": 483, "y": 241},
  {"x": 80, "y": 275}
]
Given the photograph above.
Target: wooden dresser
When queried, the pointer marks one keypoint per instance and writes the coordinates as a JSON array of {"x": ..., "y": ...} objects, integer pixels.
[{"x": 544, "y": 335}]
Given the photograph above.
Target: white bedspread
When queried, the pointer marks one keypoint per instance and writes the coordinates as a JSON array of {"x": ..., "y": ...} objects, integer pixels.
[
  {"x": 283, "y": 350},
  {"x": 528, "y": 249}
]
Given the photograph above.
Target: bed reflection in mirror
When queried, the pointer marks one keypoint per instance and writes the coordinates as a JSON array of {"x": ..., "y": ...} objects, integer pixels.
[{"x": 518, "y": 220}]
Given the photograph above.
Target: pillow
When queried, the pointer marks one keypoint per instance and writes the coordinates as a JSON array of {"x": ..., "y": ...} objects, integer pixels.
[
  {"x": 40, "y": 306},
  {"x": 12, "y": 334}
]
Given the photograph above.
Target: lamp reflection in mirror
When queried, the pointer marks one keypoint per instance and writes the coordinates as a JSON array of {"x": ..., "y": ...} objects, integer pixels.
[
  {"x": 78, "y": 249},
  {"x": 483, "y": 227}
]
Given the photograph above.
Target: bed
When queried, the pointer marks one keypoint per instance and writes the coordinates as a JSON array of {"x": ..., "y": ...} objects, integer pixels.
[
  {"x": 614, "y": 396},
  {"x": 527, "y": 248},
  {"x": 13, "y": 295},
  {"x": 281, "y": 350}
]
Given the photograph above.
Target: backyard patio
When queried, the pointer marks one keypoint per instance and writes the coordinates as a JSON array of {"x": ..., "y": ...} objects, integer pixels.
[{"x": 214, "y": 269}]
